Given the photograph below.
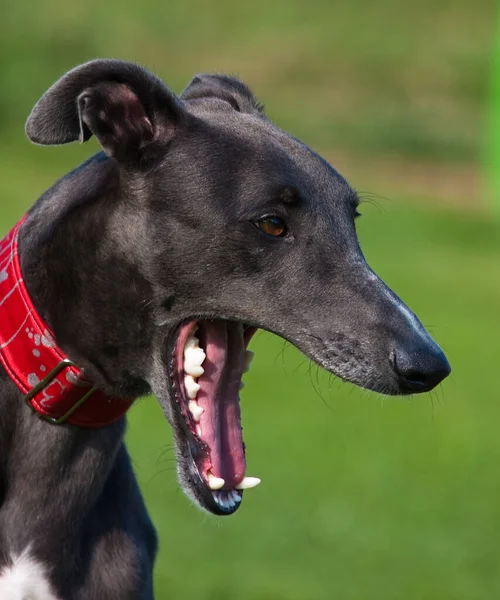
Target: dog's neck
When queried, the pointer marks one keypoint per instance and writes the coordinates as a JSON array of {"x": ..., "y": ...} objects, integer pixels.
[
  {"x": 93, "y": 301},
  {"x": 83, "y": 279}
]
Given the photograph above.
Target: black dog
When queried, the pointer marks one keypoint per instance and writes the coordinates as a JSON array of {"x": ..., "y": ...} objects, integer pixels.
[{"x": 152, "y": 265}]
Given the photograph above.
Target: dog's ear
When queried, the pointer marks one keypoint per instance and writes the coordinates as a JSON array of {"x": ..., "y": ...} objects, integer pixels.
[
  {"x": 230, "y": 89},
  {"x": 122, "y": 104}
]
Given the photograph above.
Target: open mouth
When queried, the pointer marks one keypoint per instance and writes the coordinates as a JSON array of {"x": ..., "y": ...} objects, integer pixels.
[{"x": 209, "y": 360}]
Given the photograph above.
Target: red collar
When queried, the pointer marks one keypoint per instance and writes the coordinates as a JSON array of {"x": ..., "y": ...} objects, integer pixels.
[{"x": 53, "y": 385}]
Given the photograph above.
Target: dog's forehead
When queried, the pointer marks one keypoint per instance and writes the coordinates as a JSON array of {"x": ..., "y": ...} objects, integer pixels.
[{"x": 271, "y": 154}]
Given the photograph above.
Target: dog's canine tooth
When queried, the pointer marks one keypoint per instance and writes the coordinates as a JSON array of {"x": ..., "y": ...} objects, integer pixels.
[
  {"x": 247, "y": 361},
  {"x": 195, "y": 409},
  {"x": 214, "y": 483},
  {"x": 192, "y": 388},
  {"x": 247, "y": 483}
]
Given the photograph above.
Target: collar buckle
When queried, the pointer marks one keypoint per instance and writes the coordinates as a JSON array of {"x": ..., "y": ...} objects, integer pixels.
[{"x": 64, "y": 364}]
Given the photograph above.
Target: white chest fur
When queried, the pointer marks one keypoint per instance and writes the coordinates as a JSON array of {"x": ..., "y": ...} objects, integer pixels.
[{"x": 25, "y": 579}]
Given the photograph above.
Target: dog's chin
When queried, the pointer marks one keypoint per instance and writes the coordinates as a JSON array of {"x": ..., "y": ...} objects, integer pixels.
[
  {"x": 207, "y": 361},
  {"x": 216, "y": 502}
]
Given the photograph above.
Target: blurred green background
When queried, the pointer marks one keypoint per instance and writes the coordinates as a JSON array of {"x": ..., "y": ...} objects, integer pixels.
[{"x": 362, "y": 497}]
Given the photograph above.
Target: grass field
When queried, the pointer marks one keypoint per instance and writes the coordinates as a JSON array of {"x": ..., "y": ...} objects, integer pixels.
[{"x": 367, "y": 76}]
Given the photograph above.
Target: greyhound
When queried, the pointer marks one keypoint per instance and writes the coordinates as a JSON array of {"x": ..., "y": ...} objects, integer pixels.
[{"x": 148, "y": 269}]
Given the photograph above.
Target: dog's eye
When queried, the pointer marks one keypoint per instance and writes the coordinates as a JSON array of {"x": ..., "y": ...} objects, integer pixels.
[{"x": 272, "y": 225}]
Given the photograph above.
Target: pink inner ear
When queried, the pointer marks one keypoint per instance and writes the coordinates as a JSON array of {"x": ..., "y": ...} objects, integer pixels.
[
  {"x": 134, "y": 112},
  {"x": 116, "y": 116}
]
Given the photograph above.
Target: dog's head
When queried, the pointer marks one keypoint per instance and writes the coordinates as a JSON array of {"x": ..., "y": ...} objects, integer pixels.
[{"x": 237, "y": 226}]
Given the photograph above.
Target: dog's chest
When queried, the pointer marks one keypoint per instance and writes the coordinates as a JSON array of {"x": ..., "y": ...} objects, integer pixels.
[{"x": 25, "y": 579}]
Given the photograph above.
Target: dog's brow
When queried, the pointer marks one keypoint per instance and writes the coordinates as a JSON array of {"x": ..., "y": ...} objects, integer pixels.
[{"x": 290, "y": 195}]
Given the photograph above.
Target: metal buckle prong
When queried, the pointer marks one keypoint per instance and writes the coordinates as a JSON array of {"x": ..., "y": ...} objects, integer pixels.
[{"x": 65, "y": 363}]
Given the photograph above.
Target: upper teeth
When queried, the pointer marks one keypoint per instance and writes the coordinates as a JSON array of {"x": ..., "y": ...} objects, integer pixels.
[
  {"x": 191, "y": 386},
  {"x": 192, "y": 362},
  {"x": 195, "y": 409},
  {"x": 193, "y": 359},
  {"x": 194, "y": 356}
]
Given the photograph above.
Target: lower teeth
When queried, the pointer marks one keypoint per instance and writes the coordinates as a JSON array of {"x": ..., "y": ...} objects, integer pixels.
[{"x": 227, "y": 499}]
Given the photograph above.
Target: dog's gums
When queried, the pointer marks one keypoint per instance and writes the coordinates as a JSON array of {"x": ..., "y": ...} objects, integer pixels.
[{"x": 208, "y": 362}]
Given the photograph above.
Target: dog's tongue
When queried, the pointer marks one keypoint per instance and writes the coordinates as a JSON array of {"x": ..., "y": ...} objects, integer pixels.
[{"x": 220, "y": 421}]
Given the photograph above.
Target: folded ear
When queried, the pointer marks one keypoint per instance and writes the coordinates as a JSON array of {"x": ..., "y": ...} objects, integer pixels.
[
  {"x": 122, "y": 104},
  {"x": 230, "y": 89}
]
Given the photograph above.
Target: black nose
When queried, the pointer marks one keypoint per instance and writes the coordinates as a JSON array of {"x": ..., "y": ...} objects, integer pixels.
[{"x": 420, "y": 370}]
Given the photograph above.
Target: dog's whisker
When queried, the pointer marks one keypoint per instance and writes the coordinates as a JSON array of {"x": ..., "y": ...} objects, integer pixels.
[
  {"x": 299, "y": 366},
  {"x": 167, "y": 450},
  {"x": 161, "y": 472},
  {"x": 316, "y": 386},
  {"x": 281, "y": 355},
  {"x": 373, "y": 197}
]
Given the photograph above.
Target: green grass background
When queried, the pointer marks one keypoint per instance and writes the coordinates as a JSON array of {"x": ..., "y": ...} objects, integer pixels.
[{"x": 361, "y": 497}]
